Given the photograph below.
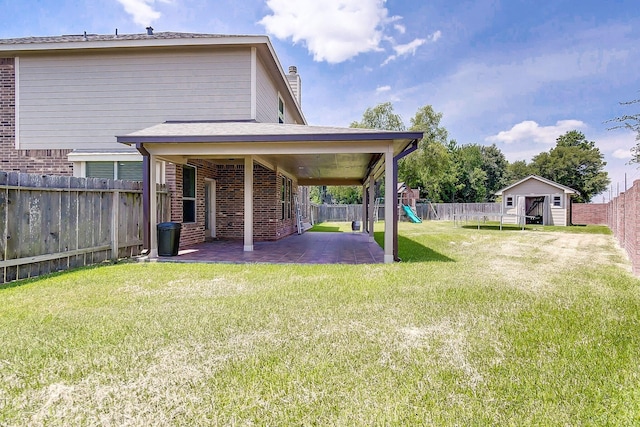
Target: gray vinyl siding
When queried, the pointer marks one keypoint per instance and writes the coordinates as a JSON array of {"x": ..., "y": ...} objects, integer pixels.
[
  {"x": 266, "y": 96},
  {"x": 84, "y": 101}
]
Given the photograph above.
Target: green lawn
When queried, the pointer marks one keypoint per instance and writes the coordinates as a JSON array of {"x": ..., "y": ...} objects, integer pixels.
[{"x": 475, "y": 327}]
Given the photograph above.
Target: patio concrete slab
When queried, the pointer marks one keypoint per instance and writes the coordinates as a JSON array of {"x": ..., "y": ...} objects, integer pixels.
[{"x": 307, "y": 248}]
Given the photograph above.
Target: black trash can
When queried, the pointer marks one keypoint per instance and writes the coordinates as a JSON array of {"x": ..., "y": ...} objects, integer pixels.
[{"x": 168, "y": 238}]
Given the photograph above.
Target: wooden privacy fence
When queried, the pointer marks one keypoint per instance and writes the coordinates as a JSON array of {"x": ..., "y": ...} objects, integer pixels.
[
  {"x": 425, "y": 211},
  {"x": 53, "y": 223}
]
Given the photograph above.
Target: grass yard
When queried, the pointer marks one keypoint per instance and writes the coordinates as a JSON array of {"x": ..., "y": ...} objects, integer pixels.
[{"x": 475, "y": 327}]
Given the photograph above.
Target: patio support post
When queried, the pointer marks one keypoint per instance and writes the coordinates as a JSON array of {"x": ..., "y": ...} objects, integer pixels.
[
  {"x": 389, "y": 196},
  {"x": 153, "y": 210},
  {"x": 146, "y": 188},
  {"x": 365, "y": 203},
  {"x": 372, "y": 195},
  {"x": 248, "y": 204}
]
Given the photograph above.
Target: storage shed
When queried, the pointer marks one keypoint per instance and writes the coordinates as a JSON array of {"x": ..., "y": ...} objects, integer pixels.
[{"x": 537, "y": 200}]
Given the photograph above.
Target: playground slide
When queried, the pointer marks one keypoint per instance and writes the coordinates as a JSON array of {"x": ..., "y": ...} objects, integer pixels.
[{"x": 410, "y": 214}]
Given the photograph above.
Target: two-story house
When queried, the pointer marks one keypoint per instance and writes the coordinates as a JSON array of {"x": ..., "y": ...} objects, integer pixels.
[{"x": 215, "y": 117}]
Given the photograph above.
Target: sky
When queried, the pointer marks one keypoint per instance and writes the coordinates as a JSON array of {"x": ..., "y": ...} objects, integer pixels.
[{"x": 515, "y": 73}]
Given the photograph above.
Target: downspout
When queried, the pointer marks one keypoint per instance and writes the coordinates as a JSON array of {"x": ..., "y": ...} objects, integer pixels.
[
  {"x": 413, "y": 146},
  {"x": 146, "y": 196}
]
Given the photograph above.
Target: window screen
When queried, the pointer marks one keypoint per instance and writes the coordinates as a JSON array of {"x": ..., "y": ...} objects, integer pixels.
[
  {"x": 99, "y": 170},
  {"x": 131, "y": 171}
]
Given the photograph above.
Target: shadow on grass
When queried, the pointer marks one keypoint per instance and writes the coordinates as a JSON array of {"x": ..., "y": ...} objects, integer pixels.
[
  {"x": 412, "y": 251},
  {"x": 574, "y": 229},
  {"x": 494, "y": 227},
  {"x": 324, "y": 228}
]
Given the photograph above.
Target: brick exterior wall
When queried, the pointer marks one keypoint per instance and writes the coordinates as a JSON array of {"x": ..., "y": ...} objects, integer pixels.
[
  {"x": 622, "y": 215},
  {"x": 267, "y": 224},
  {"x": 589, "y": 213},
  {"x": 51, "y": 162}
]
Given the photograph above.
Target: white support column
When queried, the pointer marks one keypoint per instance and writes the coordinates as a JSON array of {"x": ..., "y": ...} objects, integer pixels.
[
  {"x": 365, "y": 220},
  {"x": 153, "y": 209},
  {"x": 248, "y": 204},
  {"x": 372, "y": 204},
  {"x": 389, "y": 194}
]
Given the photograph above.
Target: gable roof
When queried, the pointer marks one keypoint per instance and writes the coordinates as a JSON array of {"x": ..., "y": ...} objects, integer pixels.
[
  {"x": 93, "y": 43},
  {"x": 564, "y": 188},
  {"x": 166, "y": 38}
]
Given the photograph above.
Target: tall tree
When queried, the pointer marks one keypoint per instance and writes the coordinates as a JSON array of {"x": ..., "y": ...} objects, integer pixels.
[
  {"x": 576, "y": 163},
  {"x": 494, "y": 164},
  {"x": 426, "y": 167},
  {"x": 380, "y": 117},
  {"x": 470, "y": 177},
  {"x": 517, "y": 170},
  {"x": 631, "y": 122}
]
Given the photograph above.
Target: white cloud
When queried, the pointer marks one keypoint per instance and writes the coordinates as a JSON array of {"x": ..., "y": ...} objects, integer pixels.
[
  {"x": 381, "y": 89},
  {"x": 410, "y": 48},
  {"x": 332, "y": 30},
  {"x": 142, "y": 11},
  {"x": 400, "y": 28},
  {"x": 530, "y": 131},
  {"x": 621, "y": 154}
]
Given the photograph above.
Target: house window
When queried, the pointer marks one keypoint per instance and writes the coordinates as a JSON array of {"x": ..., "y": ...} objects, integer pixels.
[
  {"x": 131, "y": 171},
  {"x": 285, "y": 198},
  {"x": 100, "y": 170},
  {"x": 280, "y": 110},
  {"x": 188, "y": 194},
  {"x": 508, "y": 202},
  {"x": 557, "y": 201}
]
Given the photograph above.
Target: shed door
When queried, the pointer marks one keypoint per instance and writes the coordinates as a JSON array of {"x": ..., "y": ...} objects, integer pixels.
[
  {"x": 520, "y": 209},
  {"x": 547, "y": 211}
]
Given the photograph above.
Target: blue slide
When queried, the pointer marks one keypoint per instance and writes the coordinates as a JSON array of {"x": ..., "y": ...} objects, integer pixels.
[{"x": 410, "y": 214}]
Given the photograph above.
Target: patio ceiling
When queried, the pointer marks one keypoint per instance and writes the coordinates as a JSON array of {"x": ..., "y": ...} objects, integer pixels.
[{"x": 314, "y": 155}]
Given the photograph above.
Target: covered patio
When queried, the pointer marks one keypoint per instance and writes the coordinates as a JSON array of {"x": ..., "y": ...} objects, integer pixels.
[
  {"x": 308, "y": 155},
  {"x": 307, "y": 248}
]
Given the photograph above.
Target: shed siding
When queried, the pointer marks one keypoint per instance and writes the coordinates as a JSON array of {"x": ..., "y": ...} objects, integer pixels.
[
  {"x": 84, "y": 101},
  {"x": 533, "y": 186},
  {"x": 558, "y": 216}
]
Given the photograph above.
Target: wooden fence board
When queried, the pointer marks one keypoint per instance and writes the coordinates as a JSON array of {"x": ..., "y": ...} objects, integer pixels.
[
  {"x": 52, "y": 223},
  {"x": 425, "y": 211}
]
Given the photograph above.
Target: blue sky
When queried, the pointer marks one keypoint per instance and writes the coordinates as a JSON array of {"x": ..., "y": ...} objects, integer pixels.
[{"x": 515, "y": 73}]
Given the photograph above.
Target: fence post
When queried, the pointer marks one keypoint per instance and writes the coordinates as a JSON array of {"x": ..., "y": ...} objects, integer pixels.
[{"x": 115, "y": 221}]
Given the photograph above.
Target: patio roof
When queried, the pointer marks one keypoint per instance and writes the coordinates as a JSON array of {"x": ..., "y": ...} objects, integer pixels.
[{"x": 314, "y": 155}]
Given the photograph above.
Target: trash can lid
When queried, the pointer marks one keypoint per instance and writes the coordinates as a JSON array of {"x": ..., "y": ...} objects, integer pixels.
[{"x": 170, "y": 225}]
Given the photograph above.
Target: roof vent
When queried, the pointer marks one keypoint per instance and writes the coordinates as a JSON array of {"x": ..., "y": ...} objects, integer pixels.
[
  {"x": 149, "y": 31},
  {"x": 84, "y": 37}
]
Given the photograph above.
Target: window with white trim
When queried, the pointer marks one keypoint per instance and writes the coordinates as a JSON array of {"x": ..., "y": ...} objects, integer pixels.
[
  {"x": 285, "y": 198},
  {"x": 188, "y": 194},
  {"x": 280, "y": 109},
  {"x": 557, "y": 201},
  {"x": 131, "y": 171},
  {"x": 508, "y": 201}
]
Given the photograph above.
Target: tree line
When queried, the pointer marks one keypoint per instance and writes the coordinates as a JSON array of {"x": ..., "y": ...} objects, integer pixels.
[{"x": 446, "y": 171}]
